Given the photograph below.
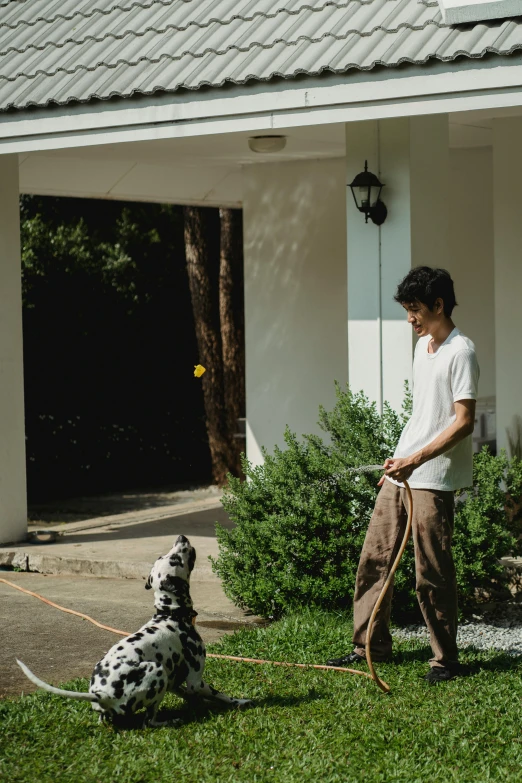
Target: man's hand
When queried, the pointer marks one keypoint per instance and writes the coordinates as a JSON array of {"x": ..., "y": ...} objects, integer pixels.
[{"x": 398, "y": 469}]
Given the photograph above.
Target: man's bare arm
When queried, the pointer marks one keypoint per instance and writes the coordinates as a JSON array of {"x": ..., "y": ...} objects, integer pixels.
[{"x": 402, "y": 468}]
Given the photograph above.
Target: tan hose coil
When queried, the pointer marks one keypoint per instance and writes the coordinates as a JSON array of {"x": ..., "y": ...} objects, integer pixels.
[{"x": 375, "y": 677}]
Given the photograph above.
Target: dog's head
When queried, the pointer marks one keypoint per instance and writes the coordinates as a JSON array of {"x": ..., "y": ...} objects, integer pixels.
[{"x": 170, "y": 576}]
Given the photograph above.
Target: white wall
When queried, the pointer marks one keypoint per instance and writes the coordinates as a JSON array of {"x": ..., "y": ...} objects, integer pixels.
[
  {"x": 13, "y": 509},
  {"x": 295, "y": 296},
  {"x": 471, "y": 261},
  {"x": 296, "y": 273},
  {"x": 507, "y": 190}
]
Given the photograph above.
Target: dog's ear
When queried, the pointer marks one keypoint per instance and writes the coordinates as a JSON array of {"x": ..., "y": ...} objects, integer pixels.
[{"x": 148, "y": 583}]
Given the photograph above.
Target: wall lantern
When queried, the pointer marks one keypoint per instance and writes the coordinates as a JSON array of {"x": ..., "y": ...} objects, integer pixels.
[{"x": 366, "y": 190}]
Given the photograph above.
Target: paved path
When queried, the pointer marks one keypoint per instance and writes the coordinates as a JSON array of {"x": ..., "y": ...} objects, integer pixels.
[
  {"x": 86, "y": 508},
  {"x": 59, "y": 647}
]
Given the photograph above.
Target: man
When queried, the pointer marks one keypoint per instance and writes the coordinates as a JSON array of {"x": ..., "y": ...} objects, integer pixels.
[{"x": 434, "y": 455}]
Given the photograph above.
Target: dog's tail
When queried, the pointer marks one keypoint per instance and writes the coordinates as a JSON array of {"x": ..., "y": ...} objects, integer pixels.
[{"x": 58, "y": 691}]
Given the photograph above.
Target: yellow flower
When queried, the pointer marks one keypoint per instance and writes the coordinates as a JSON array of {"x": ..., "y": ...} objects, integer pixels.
[{"x": 198, "y": 370}]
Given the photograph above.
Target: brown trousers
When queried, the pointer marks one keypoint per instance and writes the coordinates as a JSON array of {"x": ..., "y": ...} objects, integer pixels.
[{"x": 436, "y": 586}]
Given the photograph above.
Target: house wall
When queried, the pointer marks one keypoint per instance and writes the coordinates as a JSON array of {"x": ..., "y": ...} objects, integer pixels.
[
  {"x": 295, "y": 296},
  {"x": 471, "y": 263},
  {"x": 296, "y": 285}
]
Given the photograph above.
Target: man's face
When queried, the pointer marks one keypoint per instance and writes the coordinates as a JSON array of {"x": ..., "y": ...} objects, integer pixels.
[{"x": 422, "y": 318}]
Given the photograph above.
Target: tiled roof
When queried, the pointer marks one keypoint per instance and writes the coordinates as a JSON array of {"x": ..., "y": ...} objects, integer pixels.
[{"x": 59, "y": 51}]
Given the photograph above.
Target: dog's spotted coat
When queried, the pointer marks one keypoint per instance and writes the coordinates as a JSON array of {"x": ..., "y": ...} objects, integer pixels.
[{"x": 166, "y": 654}]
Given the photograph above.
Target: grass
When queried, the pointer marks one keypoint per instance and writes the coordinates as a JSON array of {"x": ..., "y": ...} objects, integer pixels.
[{"x": 305, "y": 726}]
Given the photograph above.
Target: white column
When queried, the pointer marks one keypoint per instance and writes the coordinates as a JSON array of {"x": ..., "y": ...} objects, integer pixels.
[
  {"x": 13, "y": 505},
  {"x": 411, "y": 157},
  {"x": 507, "y": 204},
  {"x": 295, "y": 296}
]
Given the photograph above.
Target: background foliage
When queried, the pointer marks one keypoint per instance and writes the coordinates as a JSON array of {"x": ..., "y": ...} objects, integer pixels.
[
  {"x": 301, "y": 518},
  {"x": 109, "y": 348}
]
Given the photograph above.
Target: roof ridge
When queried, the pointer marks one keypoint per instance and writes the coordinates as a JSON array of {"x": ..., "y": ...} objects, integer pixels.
[
  {"x": 200, "y": 55},
  {"x": 149, "y": 3},
  {"x": 131, "y": 33},
  {"x": 68, "y": 17}
]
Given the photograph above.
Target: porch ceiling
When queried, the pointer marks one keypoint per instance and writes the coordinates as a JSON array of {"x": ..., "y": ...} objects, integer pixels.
[{"x": 202, "y": 170}]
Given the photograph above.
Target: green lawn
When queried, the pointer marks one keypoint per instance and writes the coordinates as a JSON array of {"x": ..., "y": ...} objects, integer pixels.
[{"x": 305, "y": 725}]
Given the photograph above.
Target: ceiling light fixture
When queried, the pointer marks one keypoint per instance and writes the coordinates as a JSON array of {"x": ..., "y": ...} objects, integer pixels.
[{"x": 267, "y": 144}]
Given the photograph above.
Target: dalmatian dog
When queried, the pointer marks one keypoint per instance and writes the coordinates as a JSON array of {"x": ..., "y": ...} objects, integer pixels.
[{"x": 166, "y": 654}]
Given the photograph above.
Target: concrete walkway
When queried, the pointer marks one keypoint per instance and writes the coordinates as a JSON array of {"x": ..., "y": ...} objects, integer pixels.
[{"x": 98, "y": 567}]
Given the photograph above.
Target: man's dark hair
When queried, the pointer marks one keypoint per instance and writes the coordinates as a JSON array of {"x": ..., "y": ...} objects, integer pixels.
[{"x": 425, "y": 284}]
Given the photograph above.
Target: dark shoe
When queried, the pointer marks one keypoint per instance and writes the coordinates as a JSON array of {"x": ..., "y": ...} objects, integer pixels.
[
  {"x": 441, "y": 674},
  {"x": 352, "y": 657}
]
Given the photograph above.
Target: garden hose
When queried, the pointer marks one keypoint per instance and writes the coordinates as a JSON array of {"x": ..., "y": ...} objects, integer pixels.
[
  {"x": 372, "y": 675},
  {"x": 209, "y": 655}
]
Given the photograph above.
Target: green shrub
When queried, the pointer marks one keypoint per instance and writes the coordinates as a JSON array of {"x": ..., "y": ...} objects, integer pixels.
[
  {"x": 481, "y": 533},
  {"x": 301, "y": 517},
  {"x": 513, "y": 499}
]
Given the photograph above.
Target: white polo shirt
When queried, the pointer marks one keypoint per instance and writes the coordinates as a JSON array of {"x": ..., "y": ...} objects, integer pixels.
[{"x": 439, "y": 380}]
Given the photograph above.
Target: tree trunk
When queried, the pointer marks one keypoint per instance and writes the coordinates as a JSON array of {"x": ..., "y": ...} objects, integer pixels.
[
  {"x": 202, "y": 252},
  {"x": 231, "y": 310}
]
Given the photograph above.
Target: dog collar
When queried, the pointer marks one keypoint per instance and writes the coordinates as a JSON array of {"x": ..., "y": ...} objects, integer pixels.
[{"x": 187, "y": 615}]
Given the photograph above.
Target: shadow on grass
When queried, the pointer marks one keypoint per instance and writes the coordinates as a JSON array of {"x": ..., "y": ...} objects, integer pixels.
[
  {"x": 500, "y": 662},
  {"x": 136, "y": 722},
  {"x": 288, "y": 701},
  {"x": 421, "y": 655},
  {"x": 202, "y": 712}
]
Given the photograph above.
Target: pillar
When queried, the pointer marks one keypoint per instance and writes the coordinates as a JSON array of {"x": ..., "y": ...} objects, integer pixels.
[
  {"x": 411, "y": 157},
  {"x": 295, "y": 296},
  {"x": 13, "y": 504},
  {"x": 507, "y": 203}
]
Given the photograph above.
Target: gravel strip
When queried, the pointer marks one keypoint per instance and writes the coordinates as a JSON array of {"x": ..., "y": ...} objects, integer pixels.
[{"x": 496, "y": 627}]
